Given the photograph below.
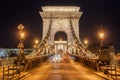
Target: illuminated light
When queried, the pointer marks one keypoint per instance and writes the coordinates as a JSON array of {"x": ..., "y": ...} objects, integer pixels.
[
  {"x": 22, "y": 34},
  {"x": 48, "y": 46},
  {"x": 61, "y": 8},
  {"x": 86, "y": 42},
  {"x": 36, "y": 41},
  {"x": 60, "y": 39},
  {"x": 35, "y": 46},
  {"x": 101, "y": 35}
]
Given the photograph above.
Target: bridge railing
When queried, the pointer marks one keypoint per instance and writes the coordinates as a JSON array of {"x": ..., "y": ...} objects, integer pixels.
[
  {"x": 35, "y": 61},
  {"x": 10, "y": 72},
  {"x": 7, "y": 61},
  {"x": 13, "y": 70},
  {"x": 89, "y": 62},
  {"x": 111, "y": 70}
]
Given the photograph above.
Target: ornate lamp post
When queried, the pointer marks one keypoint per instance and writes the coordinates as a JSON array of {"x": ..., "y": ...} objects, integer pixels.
[
  {"x": 101, "y": 37},
  {"x": 36, "y": 43},
  {"x": 86, "y": 43},
  {"x": 21, "y": 45}
]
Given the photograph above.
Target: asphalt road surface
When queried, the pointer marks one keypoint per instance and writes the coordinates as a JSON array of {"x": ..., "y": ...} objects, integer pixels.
[{"x": 61, "y": 71}]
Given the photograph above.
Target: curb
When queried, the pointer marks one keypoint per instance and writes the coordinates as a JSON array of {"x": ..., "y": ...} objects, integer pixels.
[{"x": 105, "y": 78}]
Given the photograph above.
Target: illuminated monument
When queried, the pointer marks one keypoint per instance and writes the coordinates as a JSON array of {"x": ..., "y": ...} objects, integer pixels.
[{"x": 60, "y": 17}]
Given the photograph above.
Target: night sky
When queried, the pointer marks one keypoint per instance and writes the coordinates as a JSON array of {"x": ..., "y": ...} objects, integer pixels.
[{"x": 97, "y": 15}]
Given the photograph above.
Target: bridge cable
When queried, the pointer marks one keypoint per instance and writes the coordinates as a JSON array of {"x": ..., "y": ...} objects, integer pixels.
[
  {"x": 79, "y": 44},
  {"x": 42, "y": 44}
]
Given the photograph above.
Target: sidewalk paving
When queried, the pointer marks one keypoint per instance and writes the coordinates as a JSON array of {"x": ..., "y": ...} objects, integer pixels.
[
  {"x": 101, "y": 74},
  {"x": 23, "y": 74}
]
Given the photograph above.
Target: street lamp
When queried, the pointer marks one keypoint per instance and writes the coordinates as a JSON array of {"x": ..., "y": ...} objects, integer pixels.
[
  {"x": 21, "y": 45},
  {"x": 86, "y": 43},
  {"x": 36, "y": 43},
  {"x": 22, "y": 34},
  {"x": 21, "y": 56},
  {"x": 101, "y": 37}
]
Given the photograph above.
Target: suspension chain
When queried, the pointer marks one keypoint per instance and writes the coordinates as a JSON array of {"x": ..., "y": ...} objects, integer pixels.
[
  {"x": 41, "y": 46},
  {"x": 79, "y": 44}
]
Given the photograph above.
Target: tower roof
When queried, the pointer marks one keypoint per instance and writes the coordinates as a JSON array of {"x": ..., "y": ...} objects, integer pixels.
[{"x": 61, "y": 8}]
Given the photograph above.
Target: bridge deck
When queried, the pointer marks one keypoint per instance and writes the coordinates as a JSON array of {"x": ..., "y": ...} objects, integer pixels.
[{"x": 62, "y": 71}]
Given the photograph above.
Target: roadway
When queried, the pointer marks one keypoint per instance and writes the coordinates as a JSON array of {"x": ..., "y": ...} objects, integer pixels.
[{"x": 61, "y": 71}]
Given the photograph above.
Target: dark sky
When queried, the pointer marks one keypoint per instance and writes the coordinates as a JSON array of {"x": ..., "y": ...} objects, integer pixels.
[{"x": 97, "y": 14}]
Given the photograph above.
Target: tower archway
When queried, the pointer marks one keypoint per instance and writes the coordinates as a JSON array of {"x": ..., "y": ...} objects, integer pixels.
[
  {"x": 60, "y": 35},
  {"x": 60, "y": 42}
]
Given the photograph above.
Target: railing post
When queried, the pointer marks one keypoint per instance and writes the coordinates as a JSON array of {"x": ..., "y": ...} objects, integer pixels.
[
  {"x": 115, "y": 72},
  {"x": 3, "y": 73},
  {"x": 13, "y": 71},
  {"x": 8, "y": 71}
]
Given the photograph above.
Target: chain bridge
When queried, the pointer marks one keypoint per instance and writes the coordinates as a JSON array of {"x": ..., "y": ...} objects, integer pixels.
[{"x": 56, "y": 57}]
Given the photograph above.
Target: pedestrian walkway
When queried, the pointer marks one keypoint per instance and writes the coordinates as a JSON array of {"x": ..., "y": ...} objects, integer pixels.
[
  {"x": 61, "y": 71},
  {"x": 64, "y": 71}
]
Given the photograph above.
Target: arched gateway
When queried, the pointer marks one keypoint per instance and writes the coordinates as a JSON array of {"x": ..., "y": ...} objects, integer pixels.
[{"x": 60, "y": 17}]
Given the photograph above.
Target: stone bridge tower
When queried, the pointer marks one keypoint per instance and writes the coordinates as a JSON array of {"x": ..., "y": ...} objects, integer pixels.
[{"x": 60, "y": 16}]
